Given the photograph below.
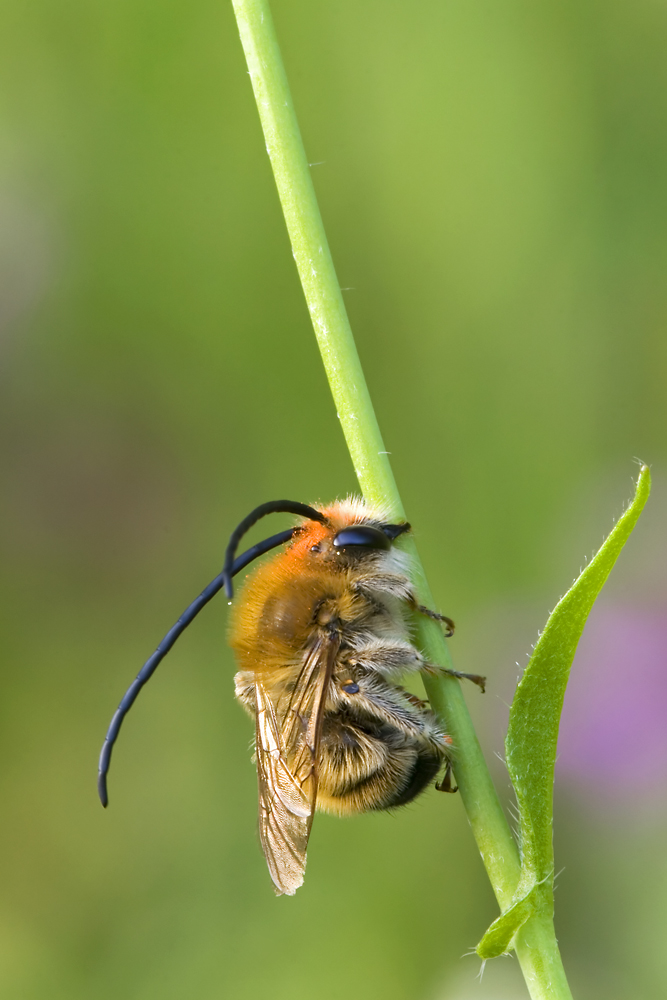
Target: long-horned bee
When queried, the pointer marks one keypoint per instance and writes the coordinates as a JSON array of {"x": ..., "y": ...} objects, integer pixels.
[{"x": 321, "y": 633}]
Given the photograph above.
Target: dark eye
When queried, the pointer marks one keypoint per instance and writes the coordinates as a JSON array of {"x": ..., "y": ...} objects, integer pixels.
[
  {"x": 394, "y": 530},
  {"x": 362, "y": 535}
]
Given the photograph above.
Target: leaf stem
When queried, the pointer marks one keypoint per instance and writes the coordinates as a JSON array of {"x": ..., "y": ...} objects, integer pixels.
[{"x": 371, "y": 463}]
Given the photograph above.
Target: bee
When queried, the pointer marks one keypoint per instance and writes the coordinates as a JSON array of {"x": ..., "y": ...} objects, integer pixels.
[{"x": 321, "y": 633}]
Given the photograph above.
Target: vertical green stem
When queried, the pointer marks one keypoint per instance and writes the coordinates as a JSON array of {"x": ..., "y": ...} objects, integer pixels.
[
  {"x": 537, "y": 950},
  {"x": 371, "y": 463},
  {"x": 312, "y": 254},
  {"x": 356, "y": 413}
]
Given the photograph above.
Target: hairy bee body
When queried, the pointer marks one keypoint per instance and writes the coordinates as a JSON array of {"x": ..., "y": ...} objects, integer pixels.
[
  {"x": 378, "y": 745},
  {"x": 322, "y": 640}
]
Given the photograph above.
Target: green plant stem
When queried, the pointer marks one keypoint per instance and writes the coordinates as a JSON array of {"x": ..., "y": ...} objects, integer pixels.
[
  {"x": 537, "y": 950},
  {"x": 371, "y": 463}
]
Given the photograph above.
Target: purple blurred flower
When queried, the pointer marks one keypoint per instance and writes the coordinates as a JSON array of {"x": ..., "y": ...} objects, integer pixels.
[{"x": 613, "y": 735}]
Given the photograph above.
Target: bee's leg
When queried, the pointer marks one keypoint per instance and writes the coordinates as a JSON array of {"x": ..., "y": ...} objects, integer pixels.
[
  {"x": 390, "y": 659},
  {"x": 393, "y": 659},
  {"x": 435, "y": 615},
  {"x": 475, "y": 678},
  {"x": 438, "y": 671},
  {"x": 385, "y": 583},
  {"x": 400, "y": 586},
  {"x": 371, "y": 696},
  {"x": 446, "y": 784},
  {"x": 414, "y": 700},
  {"x": 244, "y": 684}
]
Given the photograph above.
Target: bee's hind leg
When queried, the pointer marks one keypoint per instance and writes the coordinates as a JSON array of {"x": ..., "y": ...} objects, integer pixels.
[{"x": 446, "y": 784}]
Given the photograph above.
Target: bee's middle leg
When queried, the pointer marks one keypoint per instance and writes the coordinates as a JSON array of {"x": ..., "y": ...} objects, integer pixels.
[
  {"x": 391, "y": 660},
  {"x": 437, "y": 671}
]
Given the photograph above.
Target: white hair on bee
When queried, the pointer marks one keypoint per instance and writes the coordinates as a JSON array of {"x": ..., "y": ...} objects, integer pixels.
[{"x": 360, "y": 511}]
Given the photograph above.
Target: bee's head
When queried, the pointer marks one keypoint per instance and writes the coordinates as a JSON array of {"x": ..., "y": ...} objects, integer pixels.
[
  {"x": 352, "y": 532},
  {"x": 348, "y": 531}
]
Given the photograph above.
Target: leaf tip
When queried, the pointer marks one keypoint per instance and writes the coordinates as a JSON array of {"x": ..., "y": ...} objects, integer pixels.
[{"x": 643, "y": 483}]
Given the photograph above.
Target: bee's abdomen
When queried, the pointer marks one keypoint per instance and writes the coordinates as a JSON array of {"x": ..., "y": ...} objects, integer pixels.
[{"x": 364, "y": 768}]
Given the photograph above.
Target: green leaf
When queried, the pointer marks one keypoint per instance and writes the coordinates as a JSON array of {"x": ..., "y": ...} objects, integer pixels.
[
  {"x": 498, "y": 938},
  {"x": 532, "y": 735}
]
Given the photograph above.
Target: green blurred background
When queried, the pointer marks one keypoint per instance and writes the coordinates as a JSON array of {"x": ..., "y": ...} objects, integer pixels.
[{"x": 493, "y": 183}]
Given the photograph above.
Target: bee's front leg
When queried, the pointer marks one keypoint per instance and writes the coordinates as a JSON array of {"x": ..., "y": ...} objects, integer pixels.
[
  {"x": 399, "y": 586},
  {"x": 437, "y": 670},
  {"x": 435, "y": 615}
]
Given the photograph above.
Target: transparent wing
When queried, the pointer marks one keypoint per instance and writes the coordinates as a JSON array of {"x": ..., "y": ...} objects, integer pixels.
[{"x": 287, "y": 747}]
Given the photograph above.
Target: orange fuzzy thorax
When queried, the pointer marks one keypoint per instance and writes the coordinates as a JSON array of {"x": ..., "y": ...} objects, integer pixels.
[{"x": 272, "y": 618}]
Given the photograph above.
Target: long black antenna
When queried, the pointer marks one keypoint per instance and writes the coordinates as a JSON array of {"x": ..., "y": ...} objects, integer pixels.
[
  {"x": 273, "y": 507},
  {"x": 231, "y": 568}
]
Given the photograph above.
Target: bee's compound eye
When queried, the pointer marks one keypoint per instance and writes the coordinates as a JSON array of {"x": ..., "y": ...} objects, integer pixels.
[
  {"x": 351, "y": 688},
  {"x": 362, "y": 535}
]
